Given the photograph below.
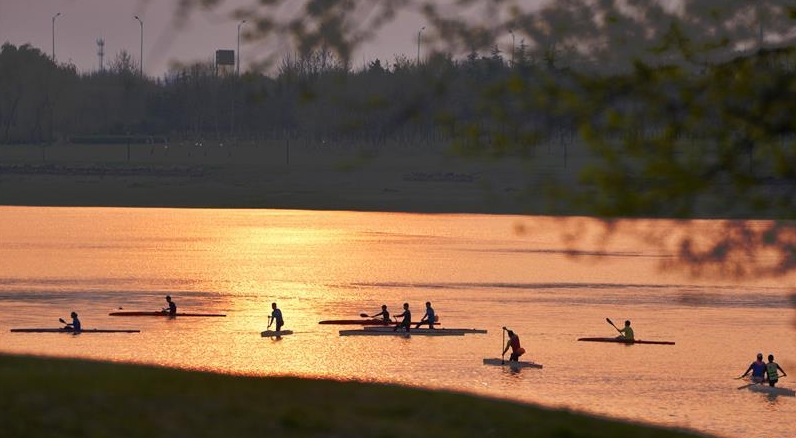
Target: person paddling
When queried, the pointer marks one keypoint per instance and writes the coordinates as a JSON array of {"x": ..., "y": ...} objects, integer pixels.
[
  {"x": 75, "y": 325},
  {"x": 626, "y": 333},
  {"x": 429, "y": 317},
  {"x": 406, "y": 321},
  {"x": 385, "y": 315},
  {"x": 758, "y": 369},
  {"x": 172, "y": 309},
  {"x": 276, "y": 316},
  {"x": 771, "y": 371},
  {"x": 514, "y": 344}
]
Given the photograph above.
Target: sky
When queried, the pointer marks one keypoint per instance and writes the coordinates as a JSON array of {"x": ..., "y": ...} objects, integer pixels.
[{"x": 82, "y": 22}]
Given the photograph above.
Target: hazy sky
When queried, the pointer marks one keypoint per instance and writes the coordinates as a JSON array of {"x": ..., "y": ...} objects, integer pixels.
[{"x": 82, "y": 22}]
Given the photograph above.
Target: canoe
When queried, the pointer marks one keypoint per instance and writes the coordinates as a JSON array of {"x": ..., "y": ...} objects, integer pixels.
[
  {"x": 387, "y": 331},
  {"x": 414, "y": 330},
  {"x": 624, "y": 341},
  {"x": 69, "y": 330},
  {"x": 773, "y": 390},
  {"x": 162, "y": 314},
  {"x": 274, "y": 333},
  {"x": 510, "y": 363},
  {"x": 360, "y": 322}
]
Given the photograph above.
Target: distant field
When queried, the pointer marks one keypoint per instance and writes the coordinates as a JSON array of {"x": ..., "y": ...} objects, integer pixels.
[
  {"x": 72, "y": 398},
  {"x": 274, "y": 174}
]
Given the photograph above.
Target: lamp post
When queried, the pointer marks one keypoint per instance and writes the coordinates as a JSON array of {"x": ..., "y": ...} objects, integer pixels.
[
  {"x": 511, "y": 31},
  {"x": 54, "y": 17},
  {"x": 141, "y": 52},
  {"x": 418, "y": 44},
  {"x": 237, "y": 67}
]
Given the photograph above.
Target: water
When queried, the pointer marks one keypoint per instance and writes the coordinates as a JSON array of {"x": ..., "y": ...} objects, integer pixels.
[{"x": 479, "y": 271}]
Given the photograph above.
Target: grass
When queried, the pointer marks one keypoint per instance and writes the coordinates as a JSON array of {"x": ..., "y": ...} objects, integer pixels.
[{"x": 44, "y": 397}]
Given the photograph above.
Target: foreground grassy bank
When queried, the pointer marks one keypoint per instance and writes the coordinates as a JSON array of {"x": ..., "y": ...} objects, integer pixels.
[{"x": 73, "y": 398}]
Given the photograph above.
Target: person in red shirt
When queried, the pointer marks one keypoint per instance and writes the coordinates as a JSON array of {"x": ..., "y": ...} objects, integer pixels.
[{"x": 514, "y": 344}]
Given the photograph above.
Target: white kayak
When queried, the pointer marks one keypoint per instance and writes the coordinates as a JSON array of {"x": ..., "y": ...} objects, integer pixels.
[
  {"x": 274, "y": 333},
  {"x": 773, "y": 390},
  {"x": 511, "y": 363},
  {"x": 413, "y": 332},
  {"x": 424, "y": 331}
]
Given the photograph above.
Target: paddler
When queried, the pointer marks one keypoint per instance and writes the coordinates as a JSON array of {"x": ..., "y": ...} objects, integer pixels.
[
  {"x": 771, "y": 371},
  {"x": 75, "y": 324},
  {"x": 172, "y": 309},
  {"x": 385, "y": 315},
  {"x": 626, "y": 333},
  {"x": 406, "y": 321},
  {"x": 514, "y": 344},
  {"x": 429, "y": 317},
  {"x": 758, "y": 369},
  {"x": 276, "y": 316}
]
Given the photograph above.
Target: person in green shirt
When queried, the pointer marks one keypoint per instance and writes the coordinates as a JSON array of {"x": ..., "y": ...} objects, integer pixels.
[
  {"x": 627, "y": 332},
  {"x": 771, "y": 371}
]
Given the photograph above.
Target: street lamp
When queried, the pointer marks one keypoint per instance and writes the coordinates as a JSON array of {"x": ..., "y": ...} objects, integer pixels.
[
  {"x": 54, "y": 17},
  {"x": 418, "y": 44},
  {"x": 237, "y": 68},
  {"x": 511, "y": 31},
  {"x": 141, "y": 53}
]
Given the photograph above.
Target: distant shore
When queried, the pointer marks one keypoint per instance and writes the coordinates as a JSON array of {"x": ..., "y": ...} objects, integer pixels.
[
  {"x": 45, "y": 397},
  {"x": 430, "y": 183}
]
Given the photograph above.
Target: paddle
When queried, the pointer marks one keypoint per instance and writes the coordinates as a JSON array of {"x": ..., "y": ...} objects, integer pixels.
[
  {"x": 503, "y": 348},
  {"x": 612, "y": 324},
  {"x": 364, "y": 315}
]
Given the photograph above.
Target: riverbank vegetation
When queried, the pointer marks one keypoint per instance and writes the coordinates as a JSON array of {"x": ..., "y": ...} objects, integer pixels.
[{"x": 75, "y": 398}]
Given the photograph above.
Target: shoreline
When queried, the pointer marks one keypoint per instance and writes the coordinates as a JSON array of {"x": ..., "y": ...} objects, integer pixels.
[{"x": 73, "y": 397}]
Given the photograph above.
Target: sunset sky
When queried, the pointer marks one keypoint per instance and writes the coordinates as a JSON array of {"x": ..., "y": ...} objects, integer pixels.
[{"x": 82, "y": 22}]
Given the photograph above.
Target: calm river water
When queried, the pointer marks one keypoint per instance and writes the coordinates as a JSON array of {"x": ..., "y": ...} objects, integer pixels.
[{"x": 542, "y": 277}]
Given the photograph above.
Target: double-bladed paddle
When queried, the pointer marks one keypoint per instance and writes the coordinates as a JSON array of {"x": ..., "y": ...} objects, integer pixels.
[{"x": 612, "y": 324}]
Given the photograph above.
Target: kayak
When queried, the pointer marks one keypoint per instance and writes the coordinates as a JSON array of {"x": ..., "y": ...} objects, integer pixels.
[
  {"x": 387, "y": 331},
  {"x": 274, "y": 333},
  {"x": 162, "y": 314},
  {"x": 511, "y": 363},
  {"x": 70, "y": 330},
  {"x": 625, "y": 341},
  {"x": 427, "y": 330},
  {"x": 773, "y": 390},
  {"x": 360, "y": 322}
]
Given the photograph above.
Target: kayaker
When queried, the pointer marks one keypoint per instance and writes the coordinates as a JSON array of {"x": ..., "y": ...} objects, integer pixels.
[
  {"x": 771, "y": 371},
  {"x": 627, "y": 332},
  {"x": 758, "y": 369},
  {"x": 75, "y": 324},
  {"x": 385, "y": 315},
  {"x": 276, "y": 316},
  {"x": 514, "y": 344},
  {"x": 429, "y": 317},
  {"x": 172, "y": 309},
  {"x": 407, "y": 319}
]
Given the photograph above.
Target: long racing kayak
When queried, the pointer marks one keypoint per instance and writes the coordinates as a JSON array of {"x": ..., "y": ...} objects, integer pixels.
[
  {"x": 70, "y": 330},
  {"x": 361, "y": 322},
  {"x": 162, "y": 314},
  {"x": 511, "y": 363},
  {"x": 773, "y": 390},
  {"x": 387, "y": 331},
  {"x": 413, "y": 330},
  {"x": 625, "y": 341}
]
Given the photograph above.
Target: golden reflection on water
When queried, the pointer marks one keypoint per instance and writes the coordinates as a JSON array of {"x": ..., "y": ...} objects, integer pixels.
[{"x": 552, "y": 280}]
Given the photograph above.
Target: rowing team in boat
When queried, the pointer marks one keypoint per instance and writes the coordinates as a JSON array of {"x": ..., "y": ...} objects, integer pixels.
[{"x": 764, "y": 372}]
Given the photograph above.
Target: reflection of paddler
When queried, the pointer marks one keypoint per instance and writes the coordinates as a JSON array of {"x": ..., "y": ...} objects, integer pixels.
[{"x": 514, "y": 344}]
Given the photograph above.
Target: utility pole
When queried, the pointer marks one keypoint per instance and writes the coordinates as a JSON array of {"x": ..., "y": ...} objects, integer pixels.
[
  {"x": 418, "y": 44},
  {"x": 237, "y": 67},
  {"x": 141, "y": 53},
  {"x": 54, "y": 17}
]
